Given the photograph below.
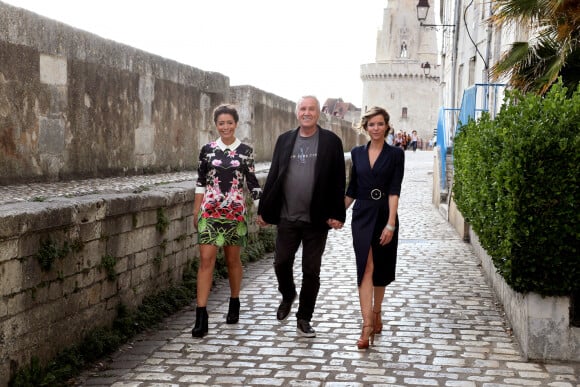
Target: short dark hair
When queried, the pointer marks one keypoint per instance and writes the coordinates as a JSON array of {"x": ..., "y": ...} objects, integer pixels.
[{"x": 225, "y": 108}]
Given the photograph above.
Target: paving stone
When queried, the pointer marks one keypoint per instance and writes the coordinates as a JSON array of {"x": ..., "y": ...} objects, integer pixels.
[{"x": 442, "y": 325}]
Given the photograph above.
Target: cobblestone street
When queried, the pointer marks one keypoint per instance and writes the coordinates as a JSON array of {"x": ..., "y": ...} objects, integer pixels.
[{"x": 443, "y": 326}]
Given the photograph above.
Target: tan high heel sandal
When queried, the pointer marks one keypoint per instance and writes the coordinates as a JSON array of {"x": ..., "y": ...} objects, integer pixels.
[
  {"x": 378, "y": 323},
  {"x": 367, "y": 336}
]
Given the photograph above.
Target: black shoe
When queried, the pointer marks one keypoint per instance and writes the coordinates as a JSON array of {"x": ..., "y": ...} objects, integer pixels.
[
  {"x": 233, "y": 311},
  {"x": 284, "y": 308},
  {"x": 201, "y": 322},
  {"x": 304, "y": 329}
]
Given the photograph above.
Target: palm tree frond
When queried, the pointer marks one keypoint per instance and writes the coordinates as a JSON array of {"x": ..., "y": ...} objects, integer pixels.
[
  {"x": 518, "y": 53},
  {"x": 553, "y": 50},
  {"x": 516, "y": 10}
]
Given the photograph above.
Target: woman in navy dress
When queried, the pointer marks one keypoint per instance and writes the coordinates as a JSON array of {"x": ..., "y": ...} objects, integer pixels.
[
  {"x": 220, "y": 212},
  {"x": 375, "y": 186}
]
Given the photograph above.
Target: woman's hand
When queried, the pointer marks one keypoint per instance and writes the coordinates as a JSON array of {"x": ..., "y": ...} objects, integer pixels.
[
  {"x": 260, "y": 222},
  {"x": 335, "y": 224},
  {"x": 387, "y": 235}
]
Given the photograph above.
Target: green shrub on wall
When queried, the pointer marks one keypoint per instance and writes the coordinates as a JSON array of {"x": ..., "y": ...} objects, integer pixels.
[{"x": 516, "y": 182}]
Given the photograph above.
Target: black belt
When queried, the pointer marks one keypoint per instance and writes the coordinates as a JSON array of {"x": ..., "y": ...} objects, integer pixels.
[{"x": 373, "y": 194}]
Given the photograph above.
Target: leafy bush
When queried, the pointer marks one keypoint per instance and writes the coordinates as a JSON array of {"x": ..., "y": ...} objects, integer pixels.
[
  {"x": 49, "y": 252},
  {"x": 516, "y": 183}
]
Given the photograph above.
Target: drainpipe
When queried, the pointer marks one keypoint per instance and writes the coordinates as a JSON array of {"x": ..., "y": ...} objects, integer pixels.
[
  {"x": 488, "y": 58},
  {"x": 454, "y": 58}
]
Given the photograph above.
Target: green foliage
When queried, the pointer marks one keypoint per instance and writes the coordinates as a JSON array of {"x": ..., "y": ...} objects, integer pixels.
[
  {"x": 551, "y": 55},
  {"x": 140, "y": 189},
  {"x": 34, "y": 376},
  {"x": 104, "y": 341},
  {"x": 516, "y": 183},
  {"x": 108, "y": 263},
  {"x": 160, "y": 254},
  {"x": 162, "y": 221},
  {"x": 49, "y": 251},
  {"x": 259, "y": 244},
  {"x": 77, "y": 245},
  {"x": 158, "y": 259}
]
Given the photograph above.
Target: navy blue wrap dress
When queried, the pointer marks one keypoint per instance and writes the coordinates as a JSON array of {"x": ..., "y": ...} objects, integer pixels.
[{"x": 371, "y": 187}]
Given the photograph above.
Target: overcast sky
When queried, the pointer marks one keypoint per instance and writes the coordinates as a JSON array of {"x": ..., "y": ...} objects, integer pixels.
[{"x": 289, "y": 48}]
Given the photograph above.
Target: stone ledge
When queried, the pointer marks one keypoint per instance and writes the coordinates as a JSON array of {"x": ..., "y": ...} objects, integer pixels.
[{"x": 540, "y": 324}]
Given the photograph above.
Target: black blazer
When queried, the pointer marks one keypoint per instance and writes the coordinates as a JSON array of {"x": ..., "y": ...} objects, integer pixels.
[{"x": 329, "y": 179}]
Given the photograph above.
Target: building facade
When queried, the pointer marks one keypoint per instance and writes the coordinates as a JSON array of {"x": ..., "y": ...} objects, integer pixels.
[{"x": 404, "y": 77}]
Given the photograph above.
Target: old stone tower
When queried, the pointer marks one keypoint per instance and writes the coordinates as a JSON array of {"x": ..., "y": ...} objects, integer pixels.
[{"x": 397, "y": 80}]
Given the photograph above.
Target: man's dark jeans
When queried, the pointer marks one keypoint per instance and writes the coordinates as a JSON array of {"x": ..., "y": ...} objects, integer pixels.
[{"x": 290, "y": 235}]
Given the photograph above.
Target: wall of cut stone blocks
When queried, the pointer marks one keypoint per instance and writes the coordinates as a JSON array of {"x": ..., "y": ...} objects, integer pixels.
[
  {"x": 148, "y": 235},
  {"x": 74, "y": 105}
]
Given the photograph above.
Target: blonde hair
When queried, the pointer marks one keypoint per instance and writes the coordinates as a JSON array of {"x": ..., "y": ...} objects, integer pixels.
[{"x": 372, "y": 112}]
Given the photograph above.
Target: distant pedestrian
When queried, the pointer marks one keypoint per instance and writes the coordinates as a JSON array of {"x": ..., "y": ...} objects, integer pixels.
[
  {"x": 219, "y": 211},
  {"x": 391, "y": 137},
  {"x": 414, "y": 139},
  {"x": 399, "y": 140},
  {"x": 303, "y": 196},
  {"x": 375, "y": 182}
]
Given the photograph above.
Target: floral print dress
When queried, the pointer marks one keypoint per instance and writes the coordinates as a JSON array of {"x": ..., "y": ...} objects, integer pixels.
[{"x": 222, "y": 171}]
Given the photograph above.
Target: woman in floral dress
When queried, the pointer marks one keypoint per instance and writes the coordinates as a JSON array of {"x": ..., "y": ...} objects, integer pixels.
[{"x": 220, "y": 213}]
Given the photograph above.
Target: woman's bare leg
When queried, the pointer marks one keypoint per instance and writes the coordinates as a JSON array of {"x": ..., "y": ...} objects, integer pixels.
[
  {"x": 379, "y": 296},
  {"x": 235, "y": 270},
  {"x": 207, "y": 257},
  {"x": 365, "y": 292}
]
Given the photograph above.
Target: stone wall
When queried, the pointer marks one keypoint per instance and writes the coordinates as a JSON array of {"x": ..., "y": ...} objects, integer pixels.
[
  {"x": 147, "y": 238},
  {"x": 74, "y": 105},
  {"x": 540, "y": 324}
]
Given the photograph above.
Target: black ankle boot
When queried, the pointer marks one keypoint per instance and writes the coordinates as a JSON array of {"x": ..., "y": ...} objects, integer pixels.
[
  {"x": 233, "y": 311},
  {"x": 201, "y": 321}
]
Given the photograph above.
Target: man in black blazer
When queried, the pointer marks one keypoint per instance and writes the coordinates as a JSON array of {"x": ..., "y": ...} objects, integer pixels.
[{"x": 304, "y": 197}]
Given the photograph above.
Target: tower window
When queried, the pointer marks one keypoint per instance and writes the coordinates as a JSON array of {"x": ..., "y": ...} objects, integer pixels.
[{"x": 404, "y": 113}]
